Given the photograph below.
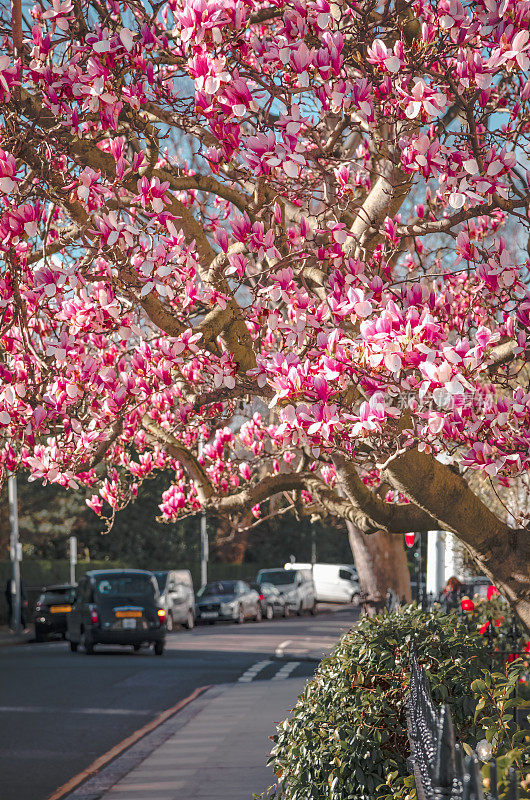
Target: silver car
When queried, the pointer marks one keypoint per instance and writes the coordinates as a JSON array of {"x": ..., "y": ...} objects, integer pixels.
[
  {"x": 231, "y": 601},
  {"x": 296, "y": 585},
  {"x": 177, "y": 597}
]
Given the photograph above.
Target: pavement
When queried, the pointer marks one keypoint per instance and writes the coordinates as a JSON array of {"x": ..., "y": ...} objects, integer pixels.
[
  {"x": 9, "y": 638},
  {"x": 61, "y": 713},
  {"x": 218, "y": 750}
]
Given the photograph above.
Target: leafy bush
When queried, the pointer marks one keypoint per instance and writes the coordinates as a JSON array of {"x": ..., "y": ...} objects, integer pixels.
[
  {"x": 346, "y": 738},
  {"x": 495, "y": 608},
  {"x": 495, "y": 714}
]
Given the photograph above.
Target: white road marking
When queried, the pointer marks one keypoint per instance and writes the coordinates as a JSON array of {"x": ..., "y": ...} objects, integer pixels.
[
  {"x": 252, "y": 671},
  {"x": 281, "y": 647},
  {"x": 286, "y": 670}
]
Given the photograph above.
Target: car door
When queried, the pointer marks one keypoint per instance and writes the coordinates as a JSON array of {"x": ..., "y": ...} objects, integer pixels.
[
  {"x": 179, "y": 597},
  {"x": 74, "y": 617},
  {"x": 346, "y": 584},
  {"x": 307, "y": 589},
  {"x": 170, "y": 597},
  {"x": 246, "y": 598}
]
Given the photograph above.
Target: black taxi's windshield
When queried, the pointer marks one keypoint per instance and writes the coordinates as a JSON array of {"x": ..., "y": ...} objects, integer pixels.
[{"x": 128, "y": 587}]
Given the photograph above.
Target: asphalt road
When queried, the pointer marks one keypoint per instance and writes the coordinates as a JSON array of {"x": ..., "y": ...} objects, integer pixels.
[{"x": 59, "y": 711}]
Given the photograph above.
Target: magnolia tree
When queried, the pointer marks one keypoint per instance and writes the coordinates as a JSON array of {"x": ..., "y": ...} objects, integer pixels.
[{"x": 312, "y": 208}]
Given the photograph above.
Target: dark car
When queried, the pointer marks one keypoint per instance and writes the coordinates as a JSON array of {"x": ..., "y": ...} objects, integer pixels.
[
  {"x": 272, "y": 602},
  {"x": 227, "y": 600},
  {"x": 51, "y": 610},
  {"x": 119, "y": 606}
]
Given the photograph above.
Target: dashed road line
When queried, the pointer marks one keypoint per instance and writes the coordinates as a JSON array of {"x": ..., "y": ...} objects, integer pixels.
[
  {"x": 286, "y": 670},
  {"x": 252, "y": 671}
]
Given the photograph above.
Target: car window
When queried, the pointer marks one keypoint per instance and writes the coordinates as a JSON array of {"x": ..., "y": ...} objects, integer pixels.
[
  {"x": 161, "y": 579},
  {"x": 217, "y": 588},
  {"x": 127, "y": 586},
  {"x": 345, "y": 574},
  {"x": 57, "y": 597},
  {"x": 278, "y": 577}
]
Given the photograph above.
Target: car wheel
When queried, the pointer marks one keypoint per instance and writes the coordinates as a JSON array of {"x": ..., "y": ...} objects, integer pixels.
[
  {"x": 286, "y": 611},
  {"x": 355, "y": 599},
  {"x": 313, "y": 609},
  {"x": 88, "y": 645},
  {"x": 169, "y": 622},
  {"x": 240, "y": 616},
  {"x": 190, "y": 620},
  {"x": 269, "y": 612},
  {"x": 259, "y": 615},
  {"x": 159, "y": 648},
  {"x": 136, "y": 647},
  {"x": 39, "y": 635},
  {"x": 300, "y": 610},
  {"x": 74, "y": 646}
]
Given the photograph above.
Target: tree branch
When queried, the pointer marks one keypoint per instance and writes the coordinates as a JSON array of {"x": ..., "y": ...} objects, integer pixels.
[{"x": 199, "y": 476}]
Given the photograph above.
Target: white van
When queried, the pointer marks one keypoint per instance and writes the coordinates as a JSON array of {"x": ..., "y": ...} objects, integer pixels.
[{"x": 334, "y": 583}]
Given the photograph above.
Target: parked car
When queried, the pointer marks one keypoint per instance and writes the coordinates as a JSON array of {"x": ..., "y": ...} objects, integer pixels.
[
  {"x": 272, "y": 602},
  {"x": 227, "y": 600},
  {"x": 51, "y": 610},
  {"x": 176, "y": 597},
  {"x": 334, "y": 583},
  {"x": 296, "y": 585},
  {"x": 118, "y": 606}
]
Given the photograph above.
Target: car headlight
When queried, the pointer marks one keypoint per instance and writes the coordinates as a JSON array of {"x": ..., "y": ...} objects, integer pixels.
[{"x": 228, "y": 608}]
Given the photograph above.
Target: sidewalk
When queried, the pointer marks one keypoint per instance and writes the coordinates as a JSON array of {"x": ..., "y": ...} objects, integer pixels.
[
  {"x": 8, "y": 638},
  {"x": 220, "y": 752}
]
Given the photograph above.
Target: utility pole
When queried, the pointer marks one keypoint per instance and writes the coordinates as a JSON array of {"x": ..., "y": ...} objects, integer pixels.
[
  {"x": 313, "y": 545},
  {"x": 418, "y": 570},
  {"x": 73, "y": 557},
  {"x": 15, "y": 552},
  {"x": 204, "y": 531}
]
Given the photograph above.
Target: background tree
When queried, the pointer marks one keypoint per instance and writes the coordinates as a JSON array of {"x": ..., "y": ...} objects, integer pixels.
[{"x": 207, "y": 215}]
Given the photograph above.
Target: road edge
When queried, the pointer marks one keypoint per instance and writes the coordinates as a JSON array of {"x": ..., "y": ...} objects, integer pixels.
[{"x": 120, "y": 749}]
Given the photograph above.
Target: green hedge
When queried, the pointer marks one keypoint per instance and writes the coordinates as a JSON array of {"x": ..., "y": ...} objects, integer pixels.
[{"x": 346, "y": 738}]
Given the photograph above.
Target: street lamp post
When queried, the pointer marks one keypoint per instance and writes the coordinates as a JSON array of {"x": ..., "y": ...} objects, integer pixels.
[
  {"x": 418, "y": 571},
  {"x": 73, "y": 557},
  {"x": 313, "y": 545},
  {"x": 204, "y": 531},
  {"x": 15, "y": 553}
]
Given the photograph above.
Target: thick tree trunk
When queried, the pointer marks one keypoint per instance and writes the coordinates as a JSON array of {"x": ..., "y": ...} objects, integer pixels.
[
  {"x": 501, "y": 553},
  {"x": 381, "y": 565},
  {"x": 230, "y": 545}
]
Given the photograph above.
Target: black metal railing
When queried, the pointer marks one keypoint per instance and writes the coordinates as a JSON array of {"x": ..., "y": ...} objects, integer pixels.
[{"x": 437, "y": 761}]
